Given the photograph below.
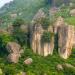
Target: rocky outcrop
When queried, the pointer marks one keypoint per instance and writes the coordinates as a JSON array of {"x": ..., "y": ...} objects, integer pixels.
[
  {"x": 66, "y": 37},
  {"x": 36, "y": 36},
  {"x": 65, "y": 40},
  {"x": 14, "y": 50},
  {"x": 64, "y": 32}
]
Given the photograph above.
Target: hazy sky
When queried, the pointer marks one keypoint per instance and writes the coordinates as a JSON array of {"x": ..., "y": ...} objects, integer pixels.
[{"x": 3, "y": 2}]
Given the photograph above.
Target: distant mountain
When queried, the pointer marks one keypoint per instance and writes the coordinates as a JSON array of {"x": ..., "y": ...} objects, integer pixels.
[{"x": 20, "y": 8}]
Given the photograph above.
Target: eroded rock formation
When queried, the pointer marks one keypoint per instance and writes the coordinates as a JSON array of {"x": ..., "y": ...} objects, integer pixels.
[
  {"x": 65, "y": 33},
  {"x": 37, "y": 30},
  {"x": 39, "y": 47},
  {"x": 14, "y": 50},
  {"x": 65, "y": 40}
]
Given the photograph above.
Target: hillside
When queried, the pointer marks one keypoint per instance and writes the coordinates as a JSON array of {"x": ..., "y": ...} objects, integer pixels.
[
  {"x": 20, "y": 8},
  {"x": 37, "y": 37}
]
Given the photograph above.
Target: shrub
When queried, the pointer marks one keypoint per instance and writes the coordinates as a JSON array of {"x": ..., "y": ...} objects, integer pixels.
[
  {"x": 18, "y": 34},
  {"x": 18, "y": 22},
  {"x": 64, "y": 13},
  {"x": 70, "y": 20},
  {"x": 45, "y": 23},
  {"x": 10, "y": 70},
  {"x": 4, "y": 39},
  {"x": 69, "y": 71},
  {"x": 46, "y": 37}
]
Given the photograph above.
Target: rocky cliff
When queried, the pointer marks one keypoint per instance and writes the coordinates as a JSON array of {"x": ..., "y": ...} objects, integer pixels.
[
  {"x": 37, "y": 31},
  {"x": 65, "y": 34},
  {"x": 65, "y": 40}
]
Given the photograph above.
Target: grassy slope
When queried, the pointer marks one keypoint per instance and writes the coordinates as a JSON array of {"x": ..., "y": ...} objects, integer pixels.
[{"x": 39, "y": 66}]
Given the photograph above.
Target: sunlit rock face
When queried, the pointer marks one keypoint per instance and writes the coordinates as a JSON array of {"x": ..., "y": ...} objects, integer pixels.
[
  {"x": 66, "y": 37},
  {"x": 65, "y": 40},
  {"x": 38, "y": 47}
]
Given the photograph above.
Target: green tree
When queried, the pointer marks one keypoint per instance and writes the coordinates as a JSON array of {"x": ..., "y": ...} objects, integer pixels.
[{"x": 18, "y": 33}]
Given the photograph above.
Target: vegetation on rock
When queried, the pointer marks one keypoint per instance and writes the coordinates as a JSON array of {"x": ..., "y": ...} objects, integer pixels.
[{"x": 46, "y": 37}]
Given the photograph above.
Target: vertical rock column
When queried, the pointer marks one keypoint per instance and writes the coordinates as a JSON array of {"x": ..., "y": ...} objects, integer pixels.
[
  {"x": 37, "y": 31},
  {"x": 38, "y": 47},
  {"x": 36, "y": 39},
  {"x": 65, "y": 40}
]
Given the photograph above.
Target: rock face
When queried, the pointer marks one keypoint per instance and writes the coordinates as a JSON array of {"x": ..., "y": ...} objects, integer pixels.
[
  {"x": 65, "y": 40},
  {"x": 64, "y": 32},
  {"x": 36, "y": 34},
  {"x": 14, "y": 50}
]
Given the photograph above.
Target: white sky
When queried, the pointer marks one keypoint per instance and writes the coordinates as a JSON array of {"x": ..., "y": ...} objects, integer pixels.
[{"x": 3, "y": 2}]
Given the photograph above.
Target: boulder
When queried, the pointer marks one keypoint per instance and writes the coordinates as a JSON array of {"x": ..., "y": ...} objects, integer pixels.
[
  {"x": 15, "y": 52},
  {"x": 68, "y": 65},
  {"x": 59, "y": 67},
  {"x": 13, "y": 47},
  {"x": 13, "y": 57},
  {"x": 65, "y": 40},
  {"x": 28, "y": 61}
]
